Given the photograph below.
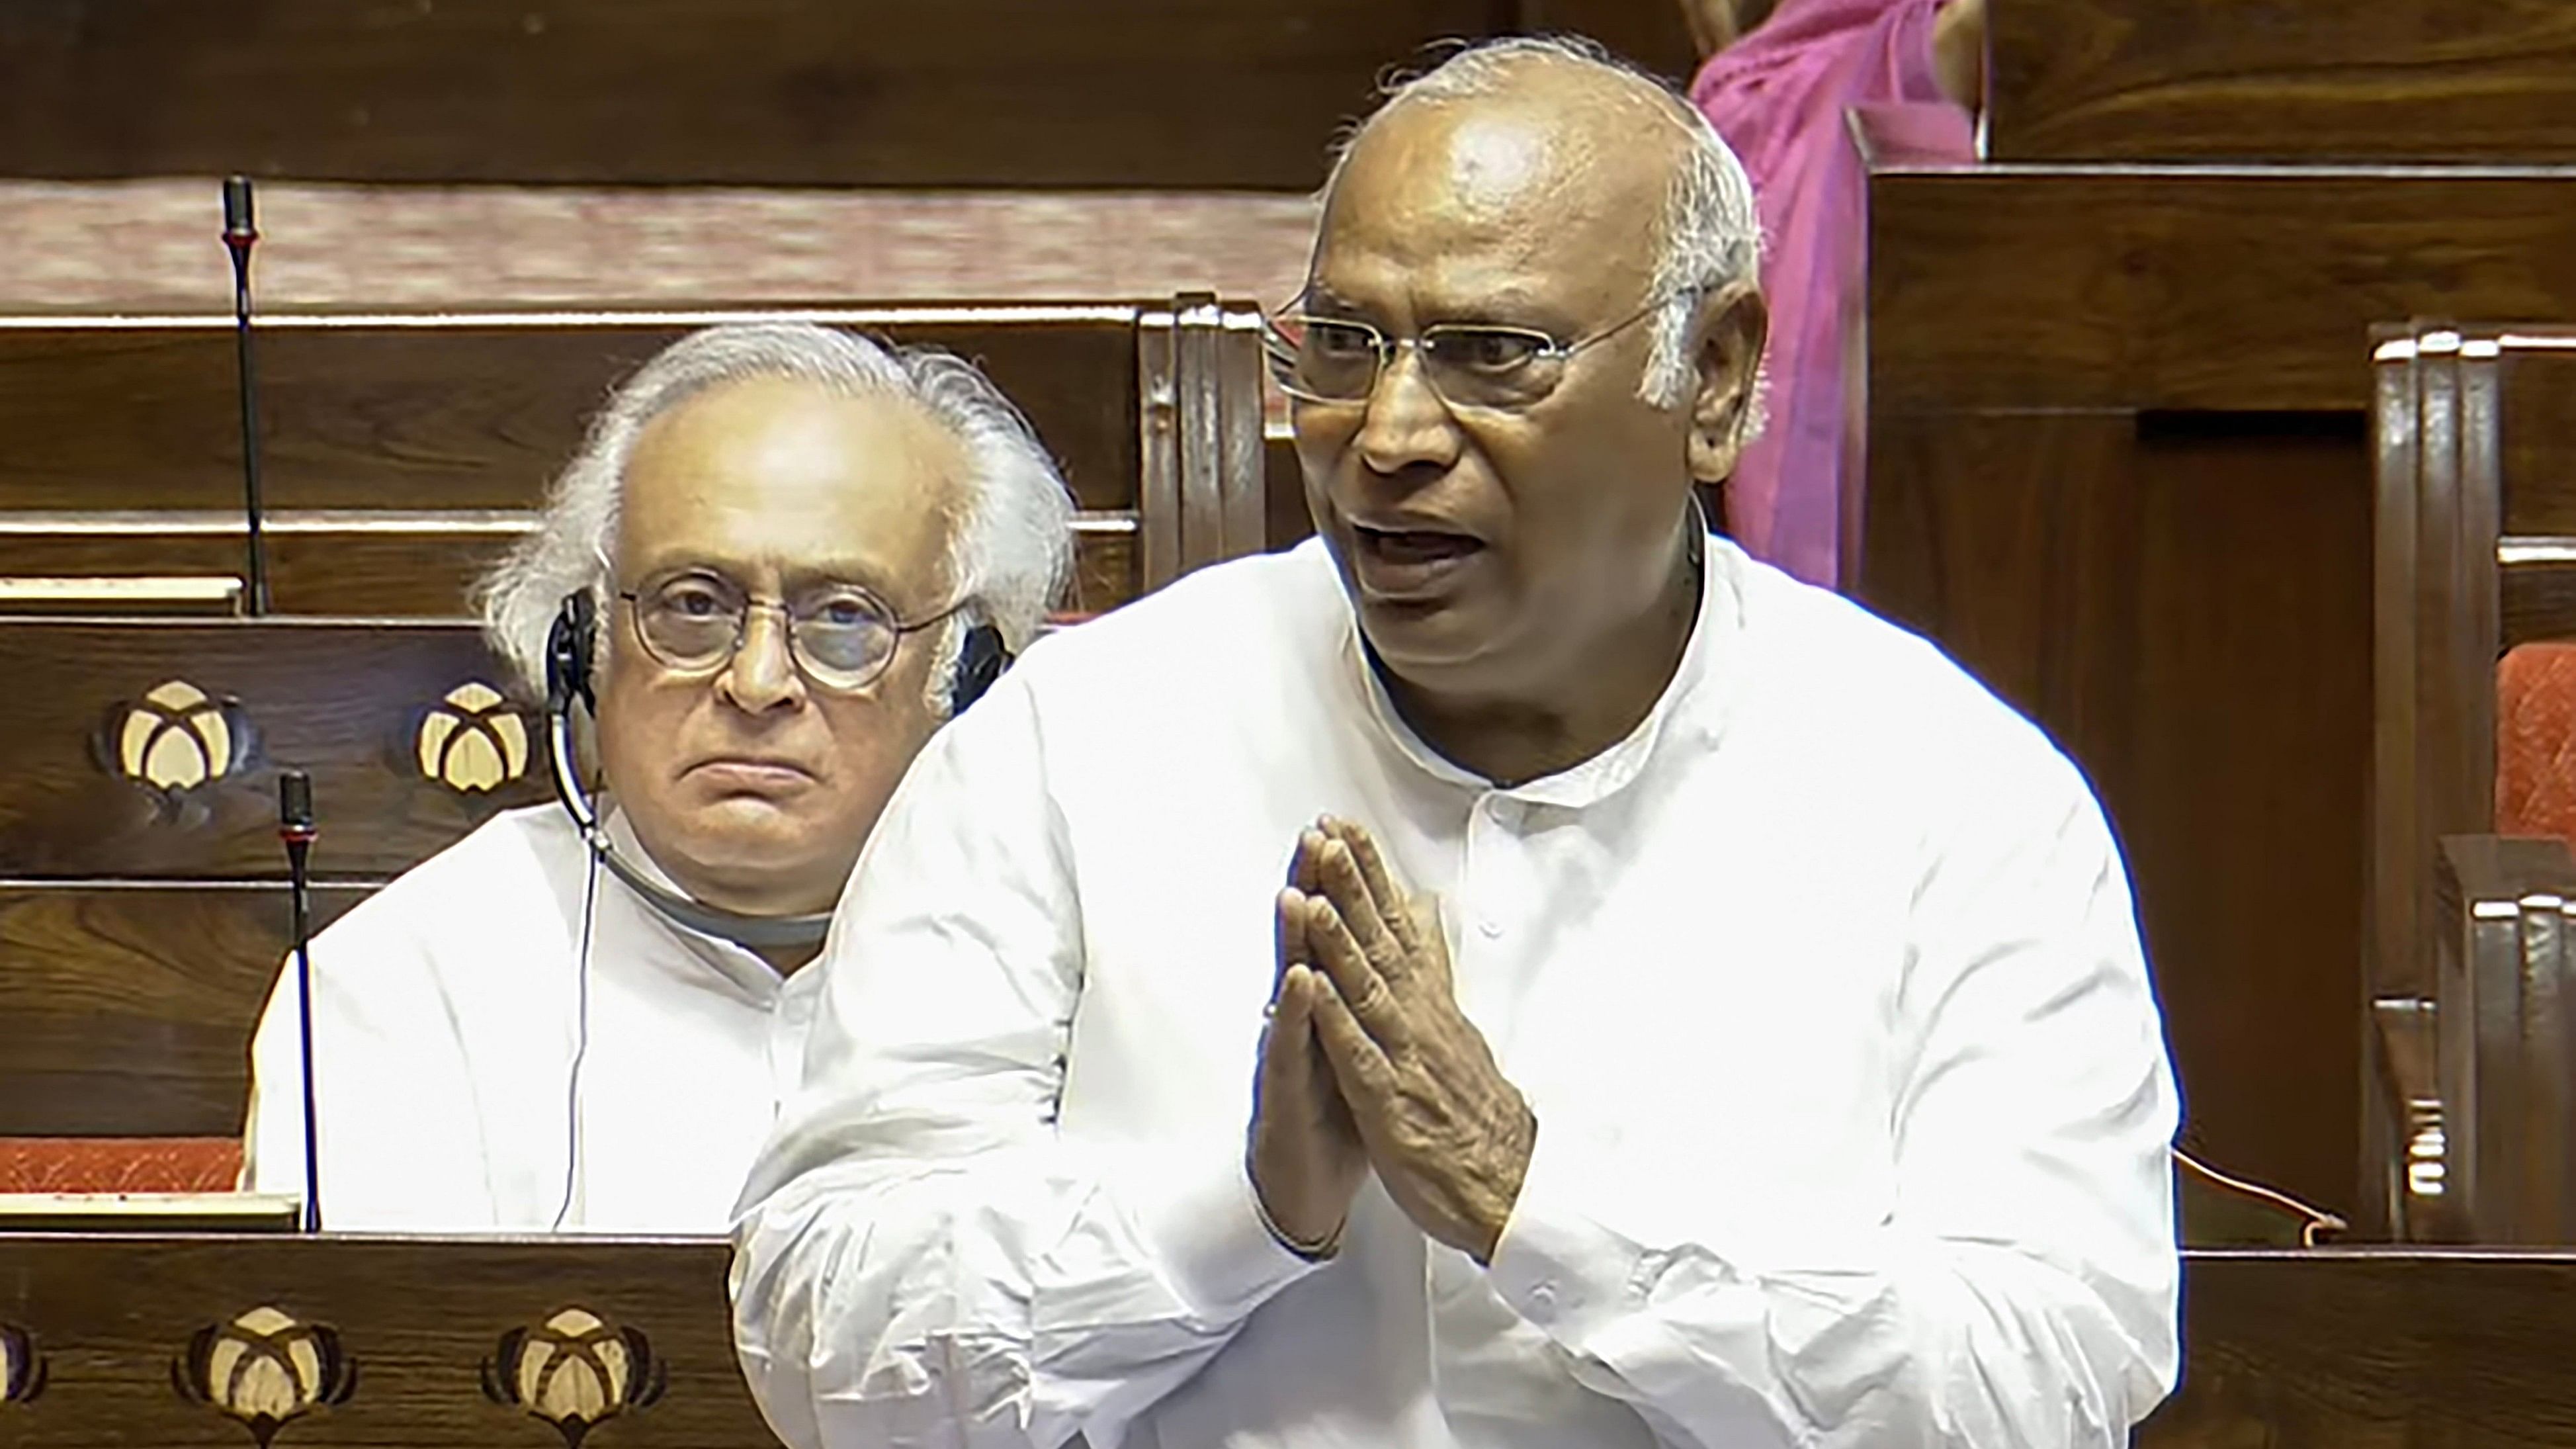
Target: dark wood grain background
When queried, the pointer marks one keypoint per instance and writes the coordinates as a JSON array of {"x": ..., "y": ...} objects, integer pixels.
[
  {"x": 2304, "y": 80},
  {"x": 128, "y": 1007},
  {"x": 947, "y": 93},
  {"x": 340, "y": 700},
  {"x": 2118, "y": 465},
  {"x": 412, "y": 415}
]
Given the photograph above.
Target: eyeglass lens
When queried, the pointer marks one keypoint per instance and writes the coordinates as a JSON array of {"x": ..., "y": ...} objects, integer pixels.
[
  {"x": 839, "y": 633},
  {"x": 1472, "y": 365}
]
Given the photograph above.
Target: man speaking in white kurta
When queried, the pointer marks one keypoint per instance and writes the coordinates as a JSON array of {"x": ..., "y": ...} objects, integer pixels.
[
  {"x": 1513, "y": 972},
  {"x": 788, "y": 538}
]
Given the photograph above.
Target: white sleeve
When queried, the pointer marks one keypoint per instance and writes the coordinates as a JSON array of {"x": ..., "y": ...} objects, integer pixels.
[
  {"x": 921, "y": 1259},
  {"x": 2022, "y": 1291}
]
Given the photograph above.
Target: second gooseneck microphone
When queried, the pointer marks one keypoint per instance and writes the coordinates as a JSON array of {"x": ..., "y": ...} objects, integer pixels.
[
  {"x": 239, "y": 234},
  {"x": 295, "y": 828}
]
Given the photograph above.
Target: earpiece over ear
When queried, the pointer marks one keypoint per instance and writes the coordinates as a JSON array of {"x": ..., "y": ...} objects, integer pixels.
[
  {"x": 568, "y": 649},
  {"x": 980, "y": 660}
]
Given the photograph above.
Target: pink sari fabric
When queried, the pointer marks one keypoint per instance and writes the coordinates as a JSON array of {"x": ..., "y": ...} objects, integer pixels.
[{"x": 1781, "y": 97}]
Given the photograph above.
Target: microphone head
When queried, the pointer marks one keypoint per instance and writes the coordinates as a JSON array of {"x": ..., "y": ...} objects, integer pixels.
[
  {"x": 295, "y": 800},
  {"x": 238, "y": 225}
]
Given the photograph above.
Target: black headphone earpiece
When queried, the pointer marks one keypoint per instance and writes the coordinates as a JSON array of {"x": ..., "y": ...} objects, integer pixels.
[
  {"x": 981, "y": 658},
  {"x": 568, "y": 646}
]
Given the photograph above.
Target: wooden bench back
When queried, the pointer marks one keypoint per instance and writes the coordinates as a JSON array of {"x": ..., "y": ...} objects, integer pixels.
[{"x": 2475, "y": 431}]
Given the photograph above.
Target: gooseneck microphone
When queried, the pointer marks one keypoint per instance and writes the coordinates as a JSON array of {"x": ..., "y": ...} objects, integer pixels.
[
  {"x": 239, "y": 234},
  {"x": 295, "y": 829}
]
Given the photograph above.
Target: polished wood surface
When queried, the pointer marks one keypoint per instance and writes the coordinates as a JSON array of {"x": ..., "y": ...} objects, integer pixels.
[
  {"x": 2191, "y": 288},
  {"x": 2507, "y": 1052},
  {"x": 2132, "y": 593},
  {"x": 128, "y": 1006},
  {"x": 115, "y": 1317},
  {"x": 946, "y": 93},
  {"x": 392, "y": 563},
  {"x": 2471, "y": 446},
  {"x": 2539, "y": 602},
  {"x": 2317, "y": 1349},
  {"x": 431, "y": 412},
  {"x": 2118, "y": 465},
  {"x": 2369, "y": 1349},
  {"x": 345, "y": 700},
  {"x": 2305, "y": 80}
]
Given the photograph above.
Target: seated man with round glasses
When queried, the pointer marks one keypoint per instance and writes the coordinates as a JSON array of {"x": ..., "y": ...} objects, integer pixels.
[
  {"x": 1579, "y": 985},
  {"x": 788, "y": 544}
]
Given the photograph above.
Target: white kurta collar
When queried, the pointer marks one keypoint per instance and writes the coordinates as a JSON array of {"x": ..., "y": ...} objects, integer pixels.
[{"x": 1694, "y": 693}]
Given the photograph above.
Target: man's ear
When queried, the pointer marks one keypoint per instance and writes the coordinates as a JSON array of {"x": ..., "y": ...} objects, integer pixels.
[{"x": 1726, "y": 380}]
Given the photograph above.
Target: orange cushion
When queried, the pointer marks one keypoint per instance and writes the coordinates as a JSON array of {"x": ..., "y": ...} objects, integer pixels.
[
  {"x": 119, "y": 1164},
  {"x": 2536, "y": 741}
]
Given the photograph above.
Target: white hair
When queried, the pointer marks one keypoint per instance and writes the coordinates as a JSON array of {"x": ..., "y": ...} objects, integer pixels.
[
  {"x": 1009, "y": 545},
  {"x": 1709, "y": 237}
]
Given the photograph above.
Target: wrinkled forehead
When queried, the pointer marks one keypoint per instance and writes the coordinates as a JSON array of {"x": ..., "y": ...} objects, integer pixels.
[
  {"x": 1543, "y": 200},
  {"x": 776, "y": 476}
]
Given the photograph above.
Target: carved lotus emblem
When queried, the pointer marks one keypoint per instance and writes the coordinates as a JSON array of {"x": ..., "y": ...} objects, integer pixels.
[
  {"x": 575, "y": 1371},
  {"x": 265, "y": 1370},
  {"x": 177, "y": 737},
  {"x": 474, "y": 741},
  {"x": 22, "y": 1369}
]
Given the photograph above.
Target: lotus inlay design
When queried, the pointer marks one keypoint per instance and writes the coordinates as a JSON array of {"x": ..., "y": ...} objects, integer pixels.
[
  {"x": 22, "y": 1369},
  {"x": 265, "y": 1370},
  {"x": 177, "y": 737},
  {"x": 474, "y": 741},
  {"x": 575, "y": 1371}
]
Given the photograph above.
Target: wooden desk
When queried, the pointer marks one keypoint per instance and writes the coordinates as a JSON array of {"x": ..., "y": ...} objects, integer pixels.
[
  {"x": 2291, "y": 1350},
  {"x": 412, "y": 1322},
  {"x": 2373, "y": 1349}
]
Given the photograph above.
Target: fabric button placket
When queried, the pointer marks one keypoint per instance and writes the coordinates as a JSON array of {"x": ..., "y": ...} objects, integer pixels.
[{"x": 1488, "y": 832}]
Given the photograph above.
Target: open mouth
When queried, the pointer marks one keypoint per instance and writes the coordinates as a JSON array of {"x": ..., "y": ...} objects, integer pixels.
[
  {"x": 1415, "y": 546},
  {"x": 1401, "y": 563}
]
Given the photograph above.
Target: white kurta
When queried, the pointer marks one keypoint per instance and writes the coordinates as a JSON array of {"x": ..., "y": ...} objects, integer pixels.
[
  {"x": 448, "y": 1014},
  {"x": 1825, "y": 986}
]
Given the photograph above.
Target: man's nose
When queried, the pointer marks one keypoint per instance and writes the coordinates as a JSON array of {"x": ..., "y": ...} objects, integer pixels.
[
  {"x": 762, "y": 674},
  {"x": 1407, "y": 425}
]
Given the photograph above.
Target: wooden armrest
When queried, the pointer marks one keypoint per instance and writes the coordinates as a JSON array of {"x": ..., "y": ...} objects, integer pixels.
[{"x": 2505, "y": 1037}]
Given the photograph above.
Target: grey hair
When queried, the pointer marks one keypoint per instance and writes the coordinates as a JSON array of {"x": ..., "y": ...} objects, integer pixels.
[
  {"x": 1710, "y": 237},
  {"x": 1009, "y": 549}
]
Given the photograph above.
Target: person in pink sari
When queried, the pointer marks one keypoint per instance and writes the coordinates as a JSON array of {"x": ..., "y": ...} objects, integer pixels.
[{"x": 1780, "y": 86}]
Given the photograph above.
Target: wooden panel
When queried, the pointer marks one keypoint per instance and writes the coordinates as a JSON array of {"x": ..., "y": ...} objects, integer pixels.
[
  {"x": 1196, "y": 93},
  {"x": 2147, "y": 288},
  {"x": 2536, "y": 421},
  {"x": 128, "y": 1008},
  {"x": 337, "y": 571},
  {"x": 2187, "y": 614},
  {"x": 379, "y": 567},
  {"x": 1285, "y": 517},
  {"x": 1652, "y": 33},
  {"x": 2221, "y": 306},
  {"x": 2539, "y": 602},
  {"x": 418, "y": 1318},
  {"x": 2290, "y": 1350},
  {"x": 2393, "y": 80},
  {"x": 2364, "y": 1350},
  {"x": 344, "y": 700},
  {"x": 428, "y": 413}
]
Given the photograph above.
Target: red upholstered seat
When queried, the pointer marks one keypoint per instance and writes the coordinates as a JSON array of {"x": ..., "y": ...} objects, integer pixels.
[
  {"x": 119, "y": 1164},
  {"x": 2536, "y": 741}
]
